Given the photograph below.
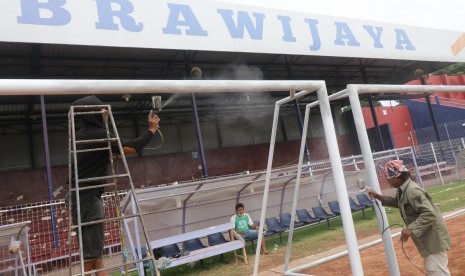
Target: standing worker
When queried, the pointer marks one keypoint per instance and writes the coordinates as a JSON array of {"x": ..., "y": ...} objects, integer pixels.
[
  {"x": 92, "y": 164},
  {"x": 423, "y": 219}
]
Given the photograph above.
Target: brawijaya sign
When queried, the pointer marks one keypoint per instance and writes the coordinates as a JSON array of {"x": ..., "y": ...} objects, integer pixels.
[{"x": 219, "y": 26}]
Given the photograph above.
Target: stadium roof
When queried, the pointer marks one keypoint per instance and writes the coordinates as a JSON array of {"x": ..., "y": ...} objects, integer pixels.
[{"x": 226, "y": 40}]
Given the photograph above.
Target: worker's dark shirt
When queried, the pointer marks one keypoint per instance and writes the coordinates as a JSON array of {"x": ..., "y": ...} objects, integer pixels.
[{"x": 95, "y": 163}]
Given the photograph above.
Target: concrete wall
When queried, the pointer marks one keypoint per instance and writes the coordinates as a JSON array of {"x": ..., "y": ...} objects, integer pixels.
[
  {"x": 23, "y": 149},
  {"x": 30, "y": 185},
  {"x": 398, "y": 117}
]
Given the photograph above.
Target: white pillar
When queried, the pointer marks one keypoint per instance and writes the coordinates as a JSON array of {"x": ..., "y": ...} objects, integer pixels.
[
  {"x": 269, "y": 167},
  {"x": 372, "y": 178},
  {"x": 339, "y": 182}
]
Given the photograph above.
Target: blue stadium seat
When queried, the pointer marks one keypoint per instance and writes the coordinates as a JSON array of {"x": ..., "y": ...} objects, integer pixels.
[
  {"x": 168, "y": 251},
  {"x": 334, "y": 207},
  {"x": 194, "y": 244},
  {"x": 275, "y": 227},
  {"x": 364, "y": 200},
  {"x": 355, "y": 207},
  {"x": 267, "y": 232},
  {"x": 285, "y": 219},
  {"x": 321, "y": 213},
  {"x": 305, "y": 217},
  {"x": 215, "y": 239}
]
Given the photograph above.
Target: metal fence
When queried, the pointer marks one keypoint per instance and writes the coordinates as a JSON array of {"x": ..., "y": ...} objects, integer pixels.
[
  {"x": 175, "y": 208},
  {"x": 49, "y": 244},
  {"x": 447, "y": 132}
]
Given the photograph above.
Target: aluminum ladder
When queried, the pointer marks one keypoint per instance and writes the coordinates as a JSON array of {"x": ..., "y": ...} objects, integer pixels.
[{"x": 104, "y": 144}]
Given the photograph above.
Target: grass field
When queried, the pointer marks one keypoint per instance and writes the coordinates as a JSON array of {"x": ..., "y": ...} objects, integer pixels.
[{"x": 317, "y": 238}]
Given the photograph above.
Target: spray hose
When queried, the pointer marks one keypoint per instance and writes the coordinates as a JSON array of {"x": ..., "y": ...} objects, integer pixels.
[{"x": 162, "y": 141}]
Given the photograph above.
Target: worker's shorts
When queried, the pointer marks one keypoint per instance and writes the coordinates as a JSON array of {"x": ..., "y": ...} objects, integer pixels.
[{"x": 92, "y": 235}]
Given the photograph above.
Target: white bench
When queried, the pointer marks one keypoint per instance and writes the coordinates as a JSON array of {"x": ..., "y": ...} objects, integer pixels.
[{"x": 209, "y": 251}]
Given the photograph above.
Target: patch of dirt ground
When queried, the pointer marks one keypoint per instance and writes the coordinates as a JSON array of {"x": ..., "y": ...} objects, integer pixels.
[{"x": 374, "y": 260}]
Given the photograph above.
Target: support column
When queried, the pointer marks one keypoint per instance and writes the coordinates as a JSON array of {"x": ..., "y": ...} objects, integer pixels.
[
  {"x": 196, "y": 73},
  {"x": 375, "y": 121},
  {"x": 49, "y": 171},
  {"x": 421, "y": 75},
  {"x": 299, "y": 119},
  {"x": 391, "y": 259}
]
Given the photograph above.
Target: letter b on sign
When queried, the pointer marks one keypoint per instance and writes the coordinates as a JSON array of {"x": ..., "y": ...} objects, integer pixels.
[{"x": 51, "y": 13}]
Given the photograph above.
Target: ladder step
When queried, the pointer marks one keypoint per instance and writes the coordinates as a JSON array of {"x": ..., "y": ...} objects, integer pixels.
[
  {"x": 92, "y": 187},
  {"x": 111, "y": 143},
  {"x": 96, "y": 140},
  {"x": 84, "y": 180},
  {"x": 89, "y": 112},
  {"x": 136, "y": 215},
  {"x": 90, "y": 150}
]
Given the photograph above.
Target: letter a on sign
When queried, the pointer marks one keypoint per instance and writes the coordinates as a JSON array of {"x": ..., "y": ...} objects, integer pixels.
[{"x": 188, "y": 21}]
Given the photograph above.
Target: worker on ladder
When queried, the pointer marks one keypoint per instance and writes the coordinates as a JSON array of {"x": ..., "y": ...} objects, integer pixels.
[{"x": 95, "y": 164}]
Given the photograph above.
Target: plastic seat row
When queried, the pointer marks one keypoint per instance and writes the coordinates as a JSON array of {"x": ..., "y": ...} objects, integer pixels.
[
  {"x": 363, "y": 203},
  {"x": 320, "y": 214},
  {"x": 274, "y": 226}
]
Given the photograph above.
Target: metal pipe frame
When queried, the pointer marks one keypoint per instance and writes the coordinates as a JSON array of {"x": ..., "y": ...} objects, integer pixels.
[
  {"x": 313, "y": 86},
  {"x": 20, "y": 87},
  {"x": 198, "y": 133},
  {"x": 299, "y": 121},
  {"x": 375, "y": 121},
  {"x": 372, "y": 177},
  {"x": 354, "y": 90},
  {"x": 83, "y": 87},
  {"x": 341, "y": 187}
]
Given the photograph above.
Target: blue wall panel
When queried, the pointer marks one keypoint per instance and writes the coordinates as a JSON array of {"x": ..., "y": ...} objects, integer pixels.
[
  {"x": 443, "y": 114},
  {"x": 421, "y": 119}
]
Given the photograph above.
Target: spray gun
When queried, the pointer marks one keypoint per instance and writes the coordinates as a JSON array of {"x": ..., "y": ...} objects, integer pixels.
[
  {"x": 156, "y": 109},
  {"x": 156, "y": 105},
  {"x": 363, "y": 188}
]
